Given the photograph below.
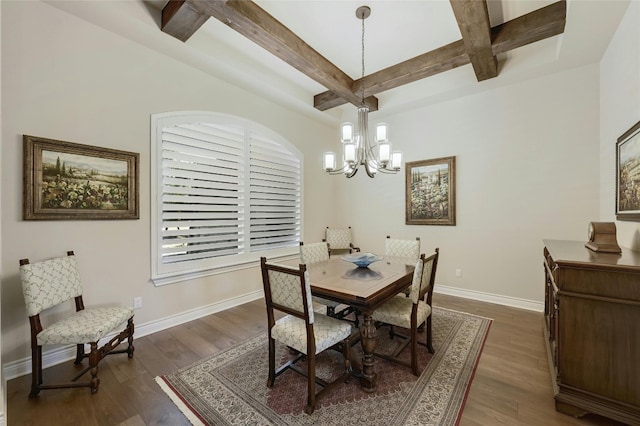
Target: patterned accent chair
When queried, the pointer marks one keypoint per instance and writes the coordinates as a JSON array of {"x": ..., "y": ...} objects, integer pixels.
[
  {"x": 307, "y": 332},
  {"x": 410, "y": 312},
  {"x": 403, "y": 248},
  {"x": 50, "y": 283},
  {"x": 319, "y": 252},
  {"x": 339, "y": 239}
]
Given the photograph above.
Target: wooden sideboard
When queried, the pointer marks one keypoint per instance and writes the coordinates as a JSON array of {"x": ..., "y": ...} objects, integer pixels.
[{"x": 592, "y": 323}]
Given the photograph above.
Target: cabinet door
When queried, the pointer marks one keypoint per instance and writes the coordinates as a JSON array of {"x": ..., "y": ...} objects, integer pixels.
[{"x": 599, "y": 347}]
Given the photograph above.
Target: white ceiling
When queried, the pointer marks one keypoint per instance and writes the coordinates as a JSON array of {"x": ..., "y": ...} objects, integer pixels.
[{"x": 396, "y": 30}]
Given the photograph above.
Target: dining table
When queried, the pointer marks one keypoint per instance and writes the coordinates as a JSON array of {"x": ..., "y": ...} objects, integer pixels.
[{"x": 365, "y": 289}]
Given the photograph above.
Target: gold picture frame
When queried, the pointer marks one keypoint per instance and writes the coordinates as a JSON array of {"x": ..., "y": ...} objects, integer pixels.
[
  {"x": 431, "y": 192},
  {"x": 70, "y": 181},
  {"x": 628, "y": 174}
]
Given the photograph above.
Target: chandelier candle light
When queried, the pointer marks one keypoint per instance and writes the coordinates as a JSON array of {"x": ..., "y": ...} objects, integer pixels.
[{"x": 357, "y": 149}]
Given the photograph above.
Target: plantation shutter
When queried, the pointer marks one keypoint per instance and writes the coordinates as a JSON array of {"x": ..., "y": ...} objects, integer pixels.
[
  {"x": 225, "y": 191},
  {"x": 203, "y": 199},
  {"x": 274, "y": 181}
]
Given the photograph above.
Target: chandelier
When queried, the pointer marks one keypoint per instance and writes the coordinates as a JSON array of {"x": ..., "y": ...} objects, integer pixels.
[{"x": 357, "y": 148}]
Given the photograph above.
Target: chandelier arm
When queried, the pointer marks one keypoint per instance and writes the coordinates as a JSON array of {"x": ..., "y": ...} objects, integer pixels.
[
  {"x": 335, "y": 172},
  {"x": 372, "y": 153},
  {"x": 388, "y": 171},
  {"x": 341, "y": 170},
  {"x": 368, "y": 170}
]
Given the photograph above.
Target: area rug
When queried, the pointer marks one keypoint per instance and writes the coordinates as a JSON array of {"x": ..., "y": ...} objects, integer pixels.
[{"x": 229, "y": 388}]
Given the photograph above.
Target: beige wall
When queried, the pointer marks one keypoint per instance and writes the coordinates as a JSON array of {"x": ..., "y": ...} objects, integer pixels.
[
  {"x": 64, "y": 78},
  {"x": 527, "y": 170},
  {"x": 619, "y": 110}
]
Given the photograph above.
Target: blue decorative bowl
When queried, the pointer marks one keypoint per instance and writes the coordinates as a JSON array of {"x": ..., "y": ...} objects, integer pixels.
[{"x": 362, "y": 260}]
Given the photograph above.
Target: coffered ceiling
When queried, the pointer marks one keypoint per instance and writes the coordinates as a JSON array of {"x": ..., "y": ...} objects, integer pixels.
[
  {"x": 480, "y": 44},
  {"x": 325, "y": 62}
]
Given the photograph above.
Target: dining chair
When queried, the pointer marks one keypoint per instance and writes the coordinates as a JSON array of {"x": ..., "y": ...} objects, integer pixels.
[
  {"x": 340, "y": 239},
  {"x": 319, "y": 252},
  {"x": 307, "y": 332},
  {"x": 402, "y": 248},
  {"x": 411, "y": 312},
  {"x": 51, "y": 283}
]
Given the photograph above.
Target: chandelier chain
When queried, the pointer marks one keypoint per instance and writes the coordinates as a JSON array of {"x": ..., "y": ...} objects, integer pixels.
[{"x": 362, "y": 80}]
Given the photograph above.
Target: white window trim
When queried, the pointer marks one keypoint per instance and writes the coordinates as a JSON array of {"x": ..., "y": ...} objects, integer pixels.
[{"x": 160, "y": 273}]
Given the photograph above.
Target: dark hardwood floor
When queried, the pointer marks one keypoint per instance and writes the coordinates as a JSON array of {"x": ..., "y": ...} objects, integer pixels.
[{"x": 511, "y": 385}]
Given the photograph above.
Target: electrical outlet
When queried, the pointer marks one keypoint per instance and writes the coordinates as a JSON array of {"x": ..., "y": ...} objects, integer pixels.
[
  {"x": 458, "y": 273},
  {"x": 137, "y": 302}
]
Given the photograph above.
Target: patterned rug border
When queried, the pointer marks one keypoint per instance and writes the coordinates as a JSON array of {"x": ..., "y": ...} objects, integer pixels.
[
  {"x": 182, "y": 404},
  {"x": 409, "y": 403}
]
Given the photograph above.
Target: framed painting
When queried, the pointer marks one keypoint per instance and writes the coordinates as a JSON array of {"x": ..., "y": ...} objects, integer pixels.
[
  {"x": 431, "y": 192},
  {"x": 628, "y": 175},
  {"x": 70, "y": 181}
]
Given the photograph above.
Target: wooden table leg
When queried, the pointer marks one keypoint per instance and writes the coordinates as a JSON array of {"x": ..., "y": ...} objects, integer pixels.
[{"x": 368, "y": 336}]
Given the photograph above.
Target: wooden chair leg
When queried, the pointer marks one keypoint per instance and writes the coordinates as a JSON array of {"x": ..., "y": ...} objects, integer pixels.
[
  {"x": 40, "y": 375},
  {"x": 94, "y": 358},
  {"x": 311, "y": 384},
  {"x": 272, "y": 362},
  {"x": 429, "y": 336},
  {"x": 79, "y": 354},
  {"x": 414, "y": 351},
  {"x": 130, "y": 347},
  {"x": 36, "y": 371},
  {"x": 346, "y": 346}
]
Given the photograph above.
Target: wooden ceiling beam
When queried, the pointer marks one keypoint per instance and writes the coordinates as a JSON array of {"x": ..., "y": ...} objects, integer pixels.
[
  {"x": 439, "y": 60},
  {"x": 538, "y": 25},
  {"x": 257, "y": 25},
  {"x": 181, "y": 19},
  {"x": 473, "y": 20}
]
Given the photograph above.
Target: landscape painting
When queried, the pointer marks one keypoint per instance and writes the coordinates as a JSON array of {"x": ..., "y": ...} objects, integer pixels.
[
  {"x": 430, "y": 192},
  {"x": 64, "y": 180},
  {"x": 628, "y": 175}
]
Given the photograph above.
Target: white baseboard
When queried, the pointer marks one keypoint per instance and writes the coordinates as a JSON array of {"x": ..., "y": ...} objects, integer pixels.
[
  {"x": 56, "y": 356},
  {"x": 514, "y": 302}
]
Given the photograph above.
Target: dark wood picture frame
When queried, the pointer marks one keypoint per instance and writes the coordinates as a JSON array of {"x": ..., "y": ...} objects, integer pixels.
[
  {"x": 431, "y": 192},
  {"x": 70, "y": 181},
  {"x": 628, "y": 174}
]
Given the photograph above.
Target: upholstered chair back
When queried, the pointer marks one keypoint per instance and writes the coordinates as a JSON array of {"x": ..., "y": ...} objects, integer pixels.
[
  {"x": 49, "y": 283},
  {"x": 402, "y": 248},
  {"x": 339, "y": 238},
  {"x": 314, "y": 252},
  {"x": 287, "y": 288},
  {"x": 424, "y": 285},
  {"x": 417, "y": 281}
]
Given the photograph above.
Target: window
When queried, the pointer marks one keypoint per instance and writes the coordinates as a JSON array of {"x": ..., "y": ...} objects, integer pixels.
[{"x": 225, "y": 191}]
